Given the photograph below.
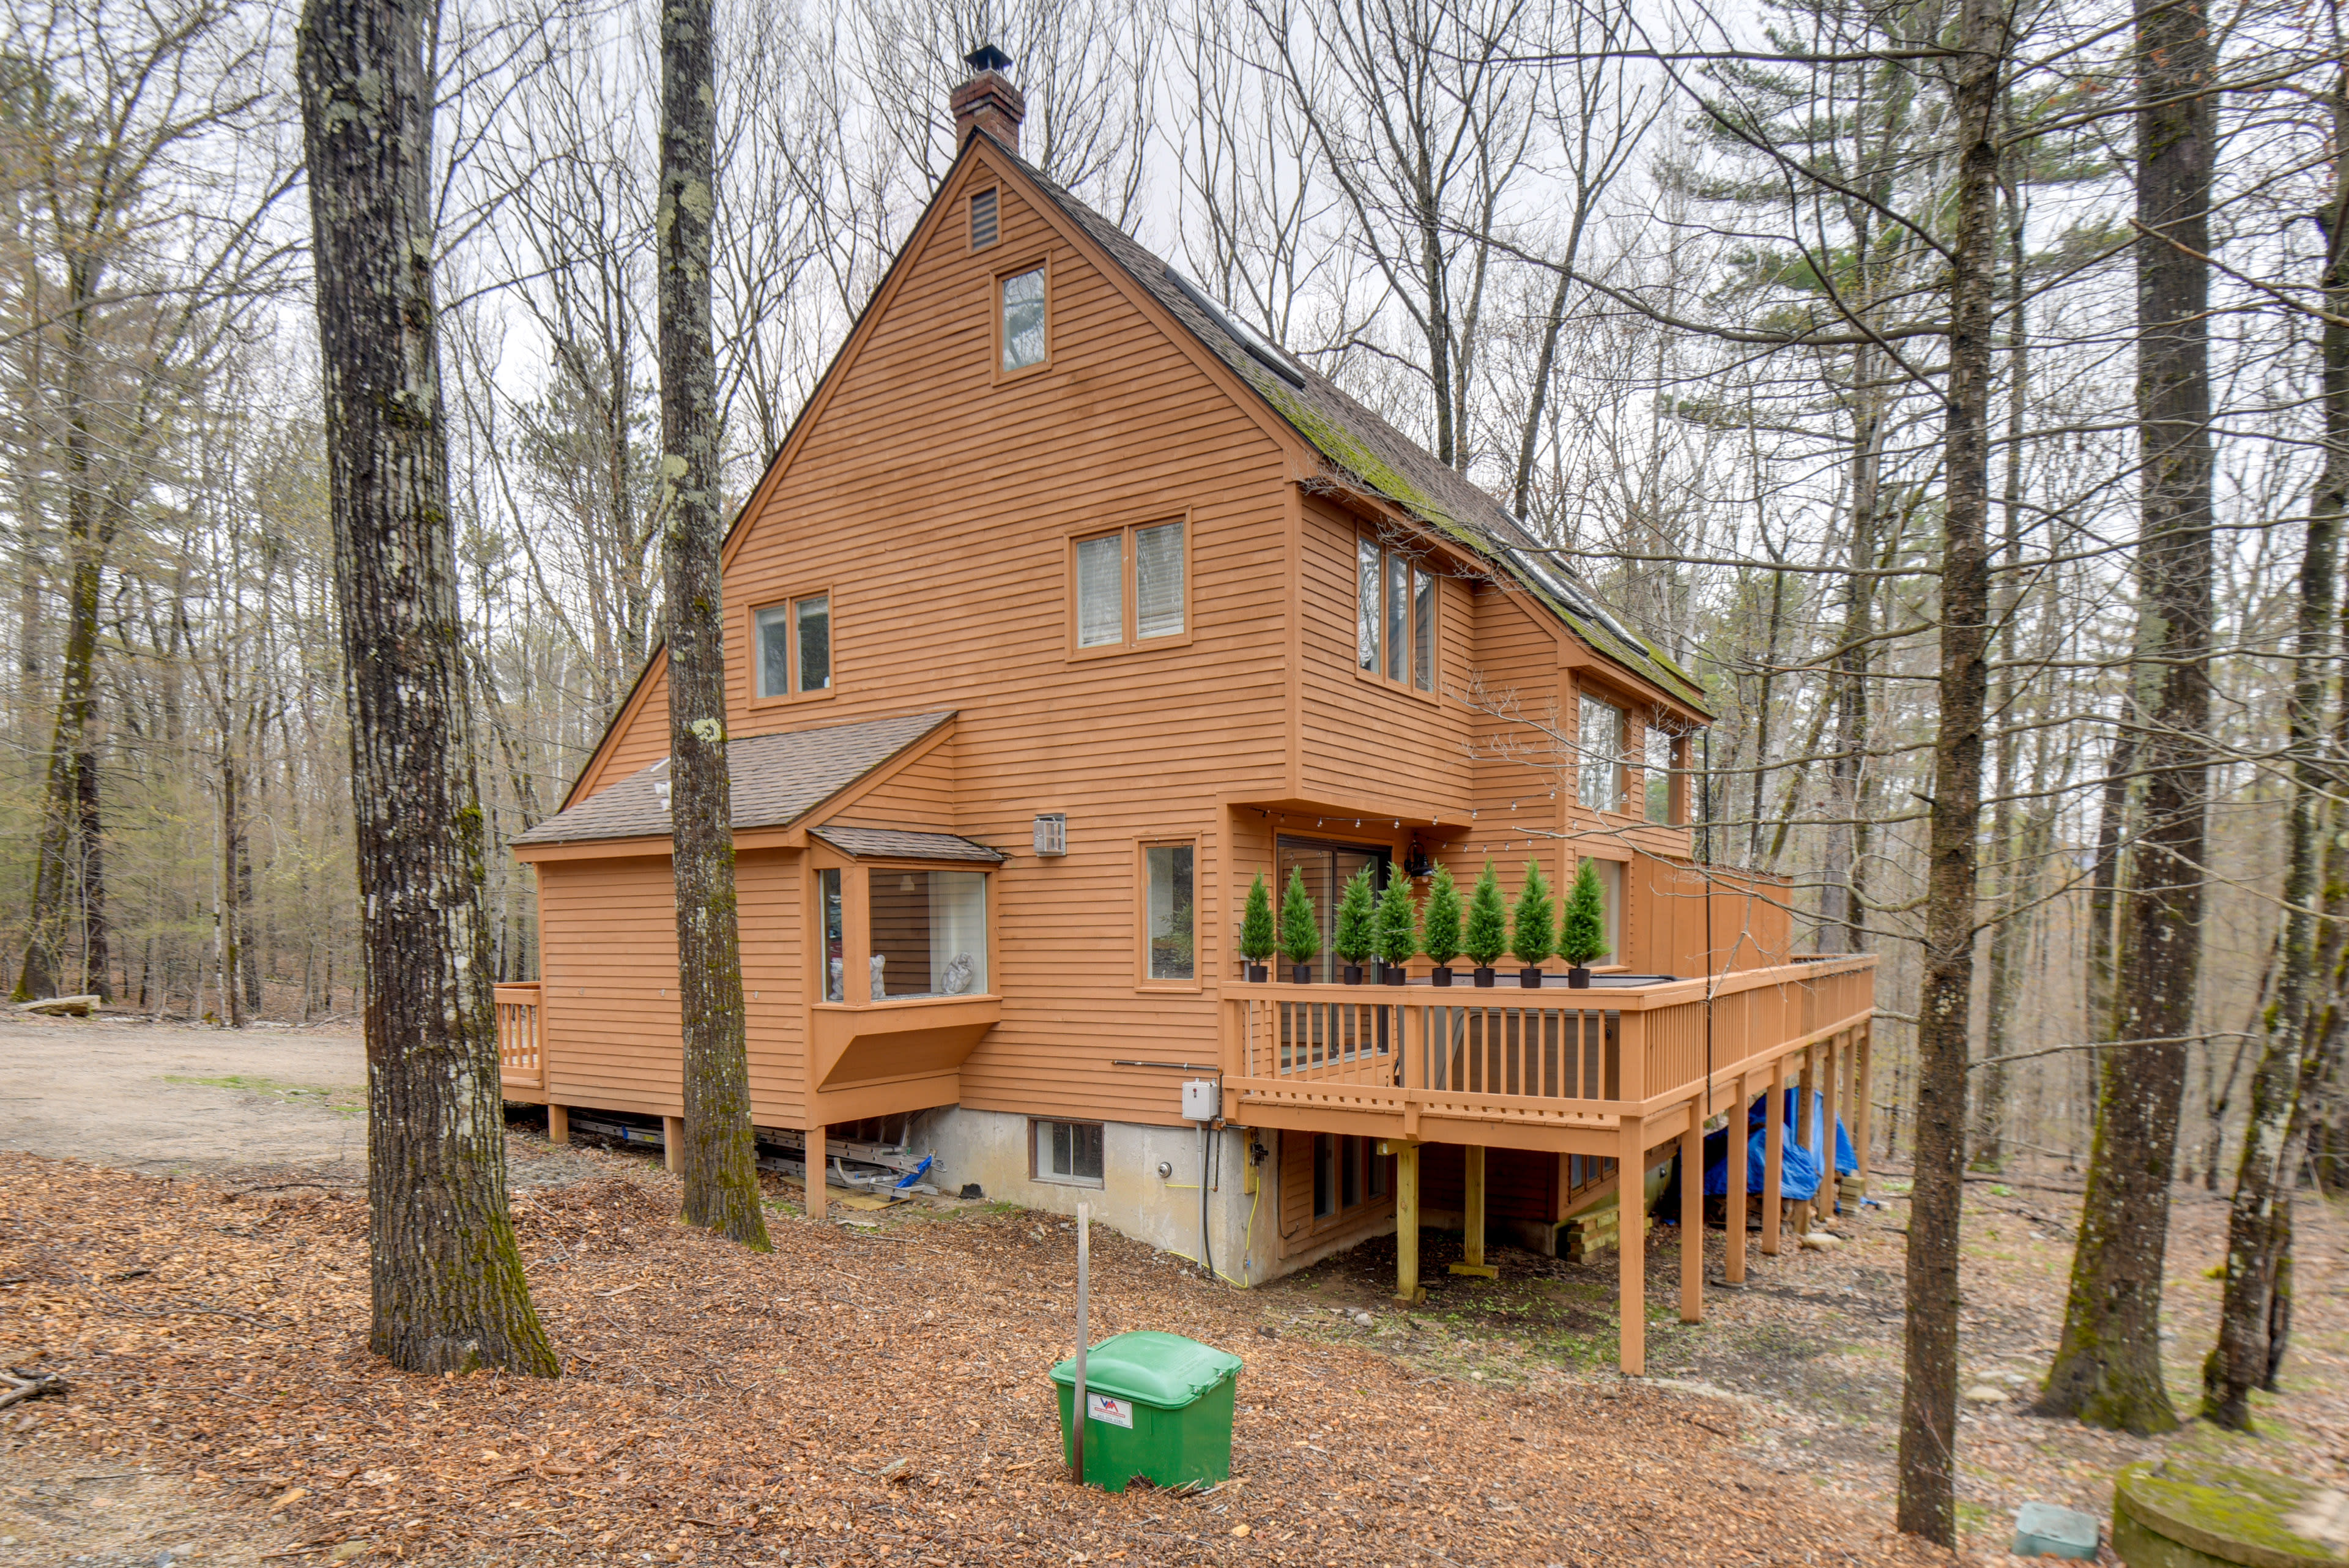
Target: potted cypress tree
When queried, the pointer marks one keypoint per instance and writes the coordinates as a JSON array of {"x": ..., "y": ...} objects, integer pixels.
[
  {"x": 1258, "y": 939},
  {"x": 1300, "y": 933},
  {"x": 1398, "y": 929},
  {"x": 1531, "y": 935},
  {"x": 1488, "y": 936},
  {"x": 1584, "y": 936},
  {"x": 1357, "y": 936},
  {"x": 1440, "y": 927}
]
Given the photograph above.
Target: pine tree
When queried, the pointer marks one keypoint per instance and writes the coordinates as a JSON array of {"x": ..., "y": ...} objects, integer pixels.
[
  {"x": 1257, "y": 943},
  {"x": 1300, "y": 933},
  {"x": 1584, "y": 936},
  {"x": 1357, "y": 935},
  {"x": 1531, "y": 933},
  {"x": 1440, "y": 926},
  {"x": 1488, "y": 921},
  {"x": 1398, "y": 922}
]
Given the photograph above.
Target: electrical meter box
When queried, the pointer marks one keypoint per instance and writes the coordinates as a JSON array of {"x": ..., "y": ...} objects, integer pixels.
[{"x": 1202, "y": 1100}]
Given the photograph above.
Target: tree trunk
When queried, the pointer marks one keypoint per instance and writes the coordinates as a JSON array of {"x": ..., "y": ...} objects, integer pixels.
[
  {"x": 721, "y": 1173},
  {"x": 1928, "y": 1404},
  {"x": 97, "y": 944},
  {"x": 2256, "y": 1225},
  {"x": 2107, "y": 1371},
  {"x": 448, "y": 1285}
]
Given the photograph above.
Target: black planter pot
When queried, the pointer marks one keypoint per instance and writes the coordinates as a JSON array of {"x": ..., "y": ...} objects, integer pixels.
[
  {"x": 1392, "y": 974},
  {"x": 1301, "y": 975},
  {"x": 1259, "y": 974},
  {"x": 1483, "y": 977},
  {"x": 1440, "y": 975},
  {"x": 1353, "y": 973},
  {"x": 1530, "y": 978},
  {"x": 1577, "y": 979}
]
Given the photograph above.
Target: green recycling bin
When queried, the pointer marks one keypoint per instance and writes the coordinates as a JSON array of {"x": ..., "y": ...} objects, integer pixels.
[{"x": 1158, "y": 1407}]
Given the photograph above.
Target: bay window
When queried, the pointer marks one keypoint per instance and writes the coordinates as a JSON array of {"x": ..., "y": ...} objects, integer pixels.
[{"x": 928, "y": 931}]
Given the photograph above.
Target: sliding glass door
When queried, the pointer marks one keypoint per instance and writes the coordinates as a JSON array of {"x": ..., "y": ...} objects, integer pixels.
[{"x": 1327, "y": 868}]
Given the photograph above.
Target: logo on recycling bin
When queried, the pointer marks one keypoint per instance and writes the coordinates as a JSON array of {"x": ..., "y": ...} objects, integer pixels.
[{"x": 1101, "y": 1408}]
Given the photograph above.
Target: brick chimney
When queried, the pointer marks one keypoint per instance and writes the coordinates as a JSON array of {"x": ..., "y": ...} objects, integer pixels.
[{"x": 989, "y": 100}]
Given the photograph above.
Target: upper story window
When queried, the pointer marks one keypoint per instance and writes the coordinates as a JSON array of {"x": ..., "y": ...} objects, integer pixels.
[
  {"x": 795, "y": 647},
  {"x": 1656, "y": 743},
  {"x": 1130, "y": 586},
  {"x": 1394, "y": 616},
  {"x": 1599, "y": 739},
  {"x": 1021, "y": 326}
]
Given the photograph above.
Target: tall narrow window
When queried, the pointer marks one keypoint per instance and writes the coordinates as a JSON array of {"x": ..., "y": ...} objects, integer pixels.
[
  {"x": 1171, "y": 929},
  {"x": 1131, "y": 585},
  {"x": 1394, "y": 616},
  {"x": 983, "y": 220},
  {"x": 1158, "y": 580},
  {"x": 1600, "y": 743},
  {"x": 835, "y": 949},
  {"x": 1610, "y": 893},
  {"x": 1422, "y": 631},
  {"x": 794, "y": 651},
  {"x": 1023, "y": 319},
  {"x": 1100, "y": 591},
  {"x": 1657, "y": 743}
]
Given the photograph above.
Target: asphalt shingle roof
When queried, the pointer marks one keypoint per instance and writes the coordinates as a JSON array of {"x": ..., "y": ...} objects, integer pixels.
[
  {"x": 776, "y": 780},
  {"x": 903, "y": 844}
]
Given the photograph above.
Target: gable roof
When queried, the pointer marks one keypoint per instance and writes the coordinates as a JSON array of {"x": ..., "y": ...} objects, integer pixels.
[
  {"x": 1366, "y": 449},
  {"x": 775, "y": 779}
]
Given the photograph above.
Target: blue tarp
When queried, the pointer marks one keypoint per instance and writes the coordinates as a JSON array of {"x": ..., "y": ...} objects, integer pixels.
[{"x": 1798, "y": 1178}]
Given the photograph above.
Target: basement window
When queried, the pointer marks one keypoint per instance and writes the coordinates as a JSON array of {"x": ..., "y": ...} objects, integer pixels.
[{"x": 1069, "y": 1152}]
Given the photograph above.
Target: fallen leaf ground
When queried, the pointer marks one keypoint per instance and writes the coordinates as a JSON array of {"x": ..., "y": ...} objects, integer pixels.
[{"x": 877, "y": 1396}]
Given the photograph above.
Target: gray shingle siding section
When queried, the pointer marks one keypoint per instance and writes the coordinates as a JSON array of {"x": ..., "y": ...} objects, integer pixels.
[
  {"x": 776, "y": 780},
  {"x": 901, "y": 843}
]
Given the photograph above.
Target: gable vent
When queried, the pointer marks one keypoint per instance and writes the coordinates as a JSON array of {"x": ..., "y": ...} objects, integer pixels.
[{"x": 982, "y": 220}]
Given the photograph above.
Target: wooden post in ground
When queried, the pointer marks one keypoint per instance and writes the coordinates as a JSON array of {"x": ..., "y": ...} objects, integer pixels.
[
  {"x": 673, "y": 1142},
  {"x": 815, "y": 1170},
  {"x": 1406, "y": 1223},
  {"x": 1734, "y": 1201},
  {"x": 1632, "y": 1245},
  {"x": 1773, "y": 1155},
  {"x": 1832, "y": 1195},
  {"x": 1805, "y": 1135},
  {"x": 558, "y": 1125},
  {"x": 1863, "y": 1099},
  {"x": 1693, "y": 1215},
  {"x": 1472, "y": 1219}
]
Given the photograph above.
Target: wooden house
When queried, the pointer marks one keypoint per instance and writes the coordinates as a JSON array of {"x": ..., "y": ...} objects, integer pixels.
[{"x": 1068, "y": 607}]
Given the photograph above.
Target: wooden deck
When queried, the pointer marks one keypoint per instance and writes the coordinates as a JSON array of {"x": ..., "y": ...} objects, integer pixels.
[
  {"x": 1623, "y": 1073},
  {"x": 522, "y": 1044}
]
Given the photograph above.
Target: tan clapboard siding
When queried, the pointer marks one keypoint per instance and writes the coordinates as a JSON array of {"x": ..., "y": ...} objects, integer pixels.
[
  {"x": 1366, "y": 740},
  {"x": 919, "y": 796},
  {"x": 609, "y": 952}
]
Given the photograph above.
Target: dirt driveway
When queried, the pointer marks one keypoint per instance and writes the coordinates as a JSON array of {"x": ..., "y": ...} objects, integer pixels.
[{"x": 166, "y": 1098}]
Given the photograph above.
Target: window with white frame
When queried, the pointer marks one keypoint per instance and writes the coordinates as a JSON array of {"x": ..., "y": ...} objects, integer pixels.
[
  {"x": 795, "y": 647},
  {"x": 1394, "y": 616},
  {"x": 1599, "y": 743},
  {"x": 1021, "y": 299},
  {"x": 1130, "y": 586},
  {"x": 1656, "y": 742},
  {"x": 1069, "y": 1151}
]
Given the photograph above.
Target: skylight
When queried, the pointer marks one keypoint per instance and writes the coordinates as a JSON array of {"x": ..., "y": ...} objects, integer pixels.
[{"x": 1260, "y": 348}]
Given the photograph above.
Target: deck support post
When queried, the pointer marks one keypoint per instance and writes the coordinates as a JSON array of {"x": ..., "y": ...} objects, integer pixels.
[
  {"x": 1693, "y": 1214},
  {"x": 1832, "y": 1195},
  {"x": 1773, "y": 1155},
  {"x": 1472, "y": 1219},
  {"x": 1407, "y": 1292},
  {"x": 1804, "y": 1136},
  {"x": 1863, "y": 1100},
  {"x": 1734, "y": 1197},
  {"x": 673, "y": 1143},
  {"x": 558, "y": 1123},
  {"x": 816, "y": 1162},
  {"x": 1631, "y": 1244}
]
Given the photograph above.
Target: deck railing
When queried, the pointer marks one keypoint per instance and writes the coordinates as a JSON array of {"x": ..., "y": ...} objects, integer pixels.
[
  {"x": 1554, "y": 1057},
  {"x": 521, "y": 1057}
]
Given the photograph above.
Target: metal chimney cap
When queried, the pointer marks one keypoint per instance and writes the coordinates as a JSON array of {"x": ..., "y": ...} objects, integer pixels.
[{"x": 988, "y": 57}]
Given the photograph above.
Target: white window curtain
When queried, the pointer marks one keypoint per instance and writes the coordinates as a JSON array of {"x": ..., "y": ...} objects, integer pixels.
[
  {"x": 1158, "y": 580},
  {"x": 1100, "y": 591}
]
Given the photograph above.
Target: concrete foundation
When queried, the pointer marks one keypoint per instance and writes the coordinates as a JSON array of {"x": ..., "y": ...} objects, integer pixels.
[{"x": 995, "y": 1149}]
